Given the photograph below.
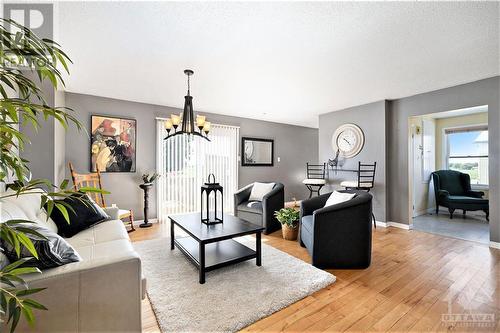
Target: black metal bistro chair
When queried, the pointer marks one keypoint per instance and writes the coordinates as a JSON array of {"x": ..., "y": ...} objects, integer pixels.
[
  {"x": 315, "y": 178},
  {"x": 365, "y": 181}
]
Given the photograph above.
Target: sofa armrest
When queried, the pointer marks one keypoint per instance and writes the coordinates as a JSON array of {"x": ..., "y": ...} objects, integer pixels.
[
  {"x": 241, "y": 196},
  {"x": 271, "y": 202},
  {"x": 308, "y": 206},
  {"x": 91, "y": 295},
  {"x": 475, "y": 194},
  {"x": 276, "y": 192}
]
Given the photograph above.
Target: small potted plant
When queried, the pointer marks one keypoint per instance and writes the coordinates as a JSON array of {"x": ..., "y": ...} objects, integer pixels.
[
  {"x": 149, "y": 178},
  {"x": 289, "y": 219}
]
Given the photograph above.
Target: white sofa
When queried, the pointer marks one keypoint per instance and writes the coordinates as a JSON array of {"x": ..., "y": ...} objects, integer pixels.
[{"x": 101, "y": 293}]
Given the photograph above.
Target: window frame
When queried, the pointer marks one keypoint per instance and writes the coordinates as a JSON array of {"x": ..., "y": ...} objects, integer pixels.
[{"x": 463, "y": 129}]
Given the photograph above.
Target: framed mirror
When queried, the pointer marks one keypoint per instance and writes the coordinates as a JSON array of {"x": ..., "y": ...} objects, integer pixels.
[{"x": 257, "y": 152}]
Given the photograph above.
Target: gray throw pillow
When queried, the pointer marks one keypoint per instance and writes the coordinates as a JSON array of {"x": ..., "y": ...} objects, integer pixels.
[{"x": 53, "y": 251}]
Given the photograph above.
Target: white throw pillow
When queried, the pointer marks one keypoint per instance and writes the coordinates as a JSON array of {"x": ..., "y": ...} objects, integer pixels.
[
  {"x": 338, "y": 197},
  {"x": 26, "y": 206},
  {"x": 259, "y": 190}
]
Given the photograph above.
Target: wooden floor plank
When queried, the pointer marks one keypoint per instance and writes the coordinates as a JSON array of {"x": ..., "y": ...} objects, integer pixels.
[{"x": 406, "y": 288}]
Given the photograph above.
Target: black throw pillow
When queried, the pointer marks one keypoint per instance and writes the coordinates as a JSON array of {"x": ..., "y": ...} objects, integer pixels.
[
  {"x": 85, "y": 215},
  {"x": 53, "y": 251}
]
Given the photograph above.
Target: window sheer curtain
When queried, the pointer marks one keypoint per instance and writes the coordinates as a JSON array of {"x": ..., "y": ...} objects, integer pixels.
[{"x": 184, "y": 163}]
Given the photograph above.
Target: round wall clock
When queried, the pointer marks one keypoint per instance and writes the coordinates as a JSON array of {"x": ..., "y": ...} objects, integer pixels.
[{"x": 349, "y": 139}]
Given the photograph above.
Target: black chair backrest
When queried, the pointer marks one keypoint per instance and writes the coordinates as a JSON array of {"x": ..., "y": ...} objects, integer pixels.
[
  {"x": 316, "y": 171},
  {"x": 366, "y": 174},
  {"x": 455, "y": 182}
]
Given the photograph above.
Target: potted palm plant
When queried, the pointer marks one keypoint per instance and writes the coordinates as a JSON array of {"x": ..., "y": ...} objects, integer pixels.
[
  {"x": 289, "y": 219},
  {"x": 26, "y": 62}
]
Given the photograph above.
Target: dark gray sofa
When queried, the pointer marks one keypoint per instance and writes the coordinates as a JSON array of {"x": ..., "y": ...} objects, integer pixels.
[
  {"x": 260, "y": 213},
  {"x": 337, "y": 236}
]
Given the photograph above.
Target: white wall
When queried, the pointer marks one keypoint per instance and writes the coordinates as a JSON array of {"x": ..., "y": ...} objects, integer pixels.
[
  {"x": 443, "y": 123},
  {"x": 423, "y": 163}
]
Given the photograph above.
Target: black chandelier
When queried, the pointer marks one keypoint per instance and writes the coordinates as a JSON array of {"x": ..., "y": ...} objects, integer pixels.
[{"x": 187, "y": 117}]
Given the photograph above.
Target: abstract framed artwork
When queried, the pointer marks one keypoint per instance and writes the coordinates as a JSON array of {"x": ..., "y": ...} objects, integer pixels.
[{"x": 113, "y": 144}]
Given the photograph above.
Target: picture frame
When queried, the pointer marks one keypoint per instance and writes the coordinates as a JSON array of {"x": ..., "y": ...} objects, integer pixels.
[
  {"x": 113, "y": 144},
  {"x": 257, "y": 152}
]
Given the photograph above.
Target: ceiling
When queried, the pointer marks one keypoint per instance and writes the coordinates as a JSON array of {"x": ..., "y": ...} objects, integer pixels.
[{"x": 283, "y": 61}]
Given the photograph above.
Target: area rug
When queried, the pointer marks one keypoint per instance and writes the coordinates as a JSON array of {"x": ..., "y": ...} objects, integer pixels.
[{"x": 232, "y": 297}]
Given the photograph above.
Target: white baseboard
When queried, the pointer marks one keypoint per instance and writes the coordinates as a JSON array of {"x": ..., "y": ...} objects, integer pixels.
[
  {"x": 400, "y": 225},
  {"x": 393, "y": 224},
  {"x": 495, "y": 245}
]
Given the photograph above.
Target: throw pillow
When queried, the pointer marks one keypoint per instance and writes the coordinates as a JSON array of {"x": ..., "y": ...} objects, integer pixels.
[
  {"x": 338, "y": 197},
  {"x": 85, "y": 215},
  {"x": 53, "y": 251},
  {"x": 259, "y": 190}
]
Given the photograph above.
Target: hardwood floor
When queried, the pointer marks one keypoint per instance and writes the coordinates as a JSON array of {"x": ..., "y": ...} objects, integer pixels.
[{"x": 413, "y": 280}]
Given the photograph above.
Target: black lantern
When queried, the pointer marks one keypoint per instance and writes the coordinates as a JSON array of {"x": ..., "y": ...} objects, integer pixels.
[{"x": 208, "y": 188}]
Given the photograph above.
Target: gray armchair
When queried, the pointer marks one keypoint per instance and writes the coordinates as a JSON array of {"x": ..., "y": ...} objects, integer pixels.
[
  {"x": 337, "y": 236},
  {"x": 260, "y": 212}
]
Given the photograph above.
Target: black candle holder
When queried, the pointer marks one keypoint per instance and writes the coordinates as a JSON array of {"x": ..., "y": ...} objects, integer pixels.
[{"x": 208, "y": 188}]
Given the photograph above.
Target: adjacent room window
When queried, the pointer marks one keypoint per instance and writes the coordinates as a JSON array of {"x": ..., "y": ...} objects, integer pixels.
[
  {"x": 468, "y": 152},
  {"x": 184, "y": 163}
]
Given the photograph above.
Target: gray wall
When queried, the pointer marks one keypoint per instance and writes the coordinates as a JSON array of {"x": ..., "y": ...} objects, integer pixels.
[
  {"x": 293, "y": 144},
  {"x": 41, "y": 152},
  {"x": 389, "y": 121},
  {"x": 371, "y": 118},
  {"x": 483, "y": 92}
]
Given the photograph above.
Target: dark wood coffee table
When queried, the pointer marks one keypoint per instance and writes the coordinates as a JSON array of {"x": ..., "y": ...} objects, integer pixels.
[{"x": 210, "y": 247}]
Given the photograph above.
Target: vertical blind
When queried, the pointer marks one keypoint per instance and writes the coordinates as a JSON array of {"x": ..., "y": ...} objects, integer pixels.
[{"x": 184, "y": 163}]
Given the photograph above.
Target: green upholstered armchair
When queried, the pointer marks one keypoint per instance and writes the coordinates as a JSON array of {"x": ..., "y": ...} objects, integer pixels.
[{"x": 453, "y": 190}]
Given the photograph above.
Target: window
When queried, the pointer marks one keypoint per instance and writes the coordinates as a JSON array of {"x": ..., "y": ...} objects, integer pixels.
[
  {"x": 468, "y": 152},
  {"x": 184, "y": 163}
]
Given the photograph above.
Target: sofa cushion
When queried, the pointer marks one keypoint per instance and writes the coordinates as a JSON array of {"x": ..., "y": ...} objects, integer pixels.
[
  {"x": 11, "y": 211},
  {"x": 308, "y": 223},
  {"x": 28, "y": 202},
  {"x": 45, "y": 221},
  {"x": 250, "y": 217},
  {"x": 103, "y": 232},
  {"x": 466, "y": 200},
  {"x": 105, "y": 250},
  {"x": 52, "y": 250},
  {"x": 251, "y": 207},
  {"x": 259, "y": 190},
  {"x": 26, "y": 207},
  {"x": 307, "y": 238}
]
